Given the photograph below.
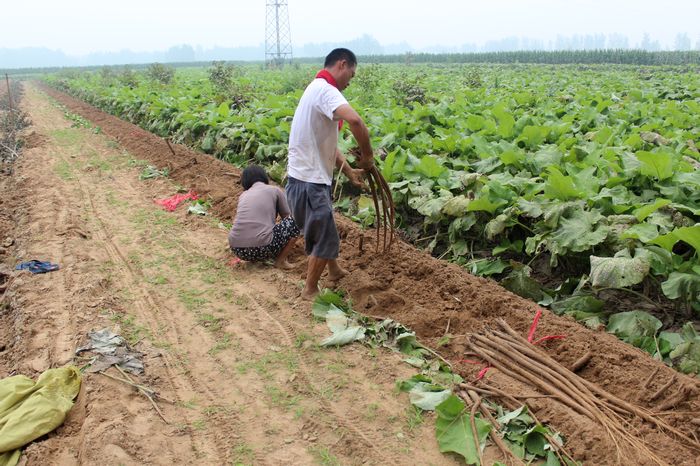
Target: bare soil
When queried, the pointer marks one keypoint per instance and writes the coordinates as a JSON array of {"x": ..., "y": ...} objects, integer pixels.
[
  {"x": 233, "y": 349},
  {"x": 80, "y": 203}
]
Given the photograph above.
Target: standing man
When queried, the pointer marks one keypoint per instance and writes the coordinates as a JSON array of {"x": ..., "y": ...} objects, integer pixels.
[{"x": 313, "y": 152}]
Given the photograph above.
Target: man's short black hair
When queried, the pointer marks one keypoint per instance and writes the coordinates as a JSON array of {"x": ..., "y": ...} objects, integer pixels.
[
  {"x": 340, "y": 54},
  {"x": 252, "y": 174}
]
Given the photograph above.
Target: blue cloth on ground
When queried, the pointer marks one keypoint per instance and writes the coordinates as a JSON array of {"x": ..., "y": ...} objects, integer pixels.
[{"x": 35, "y": 266}]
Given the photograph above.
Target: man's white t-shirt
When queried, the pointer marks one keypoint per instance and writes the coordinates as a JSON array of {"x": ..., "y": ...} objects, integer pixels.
[{"x": 313, "y": 139}]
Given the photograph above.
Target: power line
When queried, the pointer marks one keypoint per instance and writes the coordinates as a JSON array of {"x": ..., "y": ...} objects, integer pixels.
[{"x": 278, "y": 39}]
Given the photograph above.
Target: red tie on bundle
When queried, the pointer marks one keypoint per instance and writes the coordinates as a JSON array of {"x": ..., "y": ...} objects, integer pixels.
[
  {"x": 530, "y": 337},
  {"x": 324, "y": 74}
]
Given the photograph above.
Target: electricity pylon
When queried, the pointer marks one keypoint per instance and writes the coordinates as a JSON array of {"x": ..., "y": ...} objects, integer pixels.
[{"x": 278, "y": 39}]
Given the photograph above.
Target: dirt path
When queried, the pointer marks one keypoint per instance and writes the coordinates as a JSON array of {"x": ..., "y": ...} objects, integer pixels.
[{"x": 231, "y": 348}]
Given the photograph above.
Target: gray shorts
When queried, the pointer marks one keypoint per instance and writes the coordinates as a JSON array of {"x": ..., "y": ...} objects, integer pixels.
[{"x": 312, "y": 210}]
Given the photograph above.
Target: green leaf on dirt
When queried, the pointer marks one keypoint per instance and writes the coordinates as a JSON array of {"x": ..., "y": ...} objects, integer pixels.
[
  {"x": 427, "y": 396},
  {"x": 327, "y": 300},
  {"x": 151, "y": 172},
  {"x": 454, "y": 432},
  {"x": 486, "y": 267},
  {"x": 519, "y": 282},
  {"x": 343, "y": 330},
  {"x": 197, "y": 209}
]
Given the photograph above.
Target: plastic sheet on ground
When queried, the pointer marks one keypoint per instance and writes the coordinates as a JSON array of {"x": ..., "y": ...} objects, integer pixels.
[
  {"x": 112, "y": 350},
  {"x": 171, "y": 203},
  {"x": 31, "y": 409}
]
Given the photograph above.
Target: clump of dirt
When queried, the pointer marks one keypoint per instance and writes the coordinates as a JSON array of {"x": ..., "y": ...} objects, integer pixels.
[
  {"x": 436, "y": 299},
  {"x": 34, "y": 139}
]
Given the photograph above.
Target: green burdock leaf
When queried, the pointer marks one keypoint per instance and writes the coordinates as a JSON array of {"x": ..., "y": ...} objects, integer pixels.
[
  {"x": 519, "y": 282},
  {"x": 343, "y": 331},
  {"x": 197, "y": 209},
  {"x": 531, "y": 209},
  {"x": 681, "y": 285},
  {"x": 486, "y": 267},
  {"x": 559, "y": 186},
  {"x": 429, "y": 207},
  {"x": 535, "y": 442},
  {"x": 644, "y": 232},
  {"x": 505, "y": 121},
  {"x": 657, "y": 165},
  {"x": 578, "y": 305},
  {"x": 344, "y": 337},
  {"x": 668, "y": 341},
  {"x": 151, "y": 172},
  {"x": 644, "y": 211},
  {"x": 686, "y": 355},
  {"x": 634, "y": 327},
  {"x": 336, "y": 319},
  {"x": 552, "y": 459},
  {"x": 408, "y": 384},
  {"x": 578, "y": 233},
  {"x": 690, "y": 235},
  {"x": 484, "y": 204},
  {"x": 427, "y": 395},
  {"x": 520, "y": 413},
  {"x": 496, "y": 226},
  {"x": 430, "y": 167},
  {"x": 454, "y": 432},
  {"x": 475, "y": 123},
  {"x": 619, "y": 271},
  {"x": 456, "y": 206},
  {"x": 533, "y": 136}
]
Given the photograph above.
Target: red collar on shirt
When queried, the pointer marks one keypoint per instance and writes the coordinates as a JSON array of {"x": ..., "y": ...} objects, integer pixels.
[{"x": 324, "y": 74}]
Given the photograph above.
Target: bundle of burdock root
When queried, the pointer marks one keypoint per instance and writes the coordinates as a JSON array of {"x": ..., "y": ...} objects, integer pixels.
[
  {"x": 505, "y": 350},
  {"x": 381, "y": 196}
]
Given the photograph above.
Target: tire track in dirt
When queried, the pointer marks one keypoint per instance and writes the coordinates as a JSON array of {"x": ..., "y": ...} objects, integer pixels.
[
  {"x": 150, "y": 309},
  {"x": 286, "y": 330},
  {"x": 365, "y": 439}
]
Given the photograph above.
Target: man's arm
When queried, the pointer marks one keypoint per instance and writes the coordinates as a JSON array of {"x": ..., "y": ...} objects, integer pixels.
[
  {"x": 359, "y": 130},
  {"x": 355, "y": 176}
]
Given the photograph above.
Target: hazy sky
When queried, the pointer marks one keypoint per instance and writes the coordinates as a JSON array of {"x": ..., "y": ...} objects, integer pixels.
[{"x": 79, "y": 26}]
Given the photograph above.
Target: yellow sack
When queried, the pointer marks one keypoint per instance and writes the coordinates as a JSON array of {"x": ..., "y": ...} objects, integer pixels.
[{"x": 29, "y": 410}]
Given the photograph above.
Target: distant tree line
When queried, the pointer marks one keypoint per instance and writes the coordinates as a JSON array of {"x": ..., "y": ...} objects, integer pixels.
[
  {"x": 562, "y": 57},
  {"x": 618, "y": 56}
]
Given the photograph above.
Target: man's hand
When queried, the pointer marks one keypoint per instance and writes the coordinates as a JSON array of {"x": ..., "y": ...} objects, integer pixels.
[
  {"x": 356, "y": 177},
  {"x": 365, "y": 163}
]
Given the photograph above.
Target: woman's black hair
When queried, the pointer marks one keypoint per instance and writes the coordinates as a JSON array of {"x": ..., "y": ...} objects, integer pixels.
[{"x": 252, "y": 174}]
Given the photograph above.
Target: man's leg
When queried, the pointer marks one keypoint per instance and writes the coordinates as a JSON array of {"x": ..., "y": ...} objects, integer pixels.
[
  {"x": 313, "y": 274},
  {"x": 335, "y": 271}
]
